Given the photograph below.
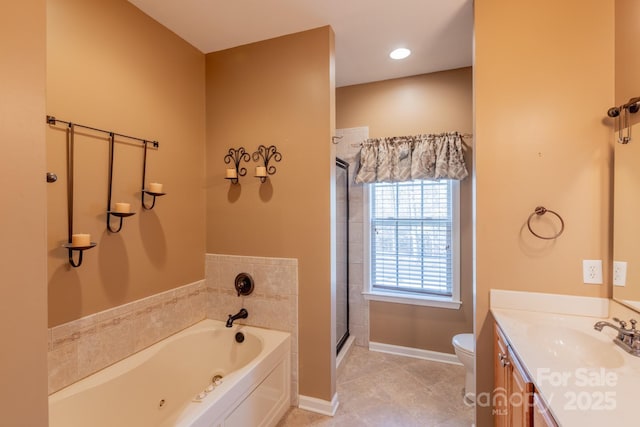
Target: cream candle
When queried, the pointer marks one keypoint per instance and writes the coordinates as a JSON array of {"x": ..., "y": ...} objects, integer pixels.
[
  {"x": 155, "y": 187},
  {"x": 81, "y": 240},
  {"x": 232, "y": 173},
  {"x": 261, "y": 171},
  {"x": 122, "y": 207}
]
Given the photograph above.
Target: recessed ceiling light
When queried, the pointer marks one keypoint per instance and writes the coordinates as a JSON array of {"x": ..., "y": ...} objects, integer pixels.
[{"x": 400, "y": 53}]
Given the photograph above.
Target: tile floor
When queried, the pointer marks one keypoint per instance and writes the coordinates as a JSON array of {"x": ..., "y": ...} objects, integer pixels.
[{"x": 383, "y": 390}]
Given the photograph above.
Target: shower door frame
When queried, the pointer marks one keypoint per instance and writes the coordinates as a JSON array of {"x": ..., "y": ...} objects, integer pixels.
[{"x": 345, "y": 166}]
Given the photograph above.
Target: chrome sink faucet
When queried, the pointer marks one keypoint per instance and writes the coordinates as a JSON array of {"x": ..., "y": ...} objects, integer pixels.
[
  {"x": 627, "y": 339},
  {"x": 622, "y": 331}
]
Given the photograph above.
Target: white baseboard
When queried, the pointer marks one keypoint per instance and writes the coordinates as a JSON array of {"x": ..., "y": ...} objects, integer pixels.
[
  {"x": 417, "y": 353},
  {"x": 319, "y": 406}
]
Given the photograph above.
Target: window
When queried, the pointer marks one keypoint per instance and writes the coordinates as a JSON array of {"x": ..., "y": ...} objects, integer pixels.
[{"x": 413, "y": 242}]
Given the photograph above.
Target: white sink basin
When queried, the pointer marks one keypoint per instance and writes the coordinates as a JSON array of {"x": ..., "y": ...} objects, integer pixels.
[{"x": 584, "y": 350}]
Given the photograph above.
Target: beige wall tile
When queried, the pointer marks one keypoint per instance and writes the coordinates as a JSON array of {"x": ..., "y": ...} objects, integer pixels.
[
  {"x": 84, "y": 346},
  {"x": 63, "y": 365},
  {"x": 273, "y": 304}
]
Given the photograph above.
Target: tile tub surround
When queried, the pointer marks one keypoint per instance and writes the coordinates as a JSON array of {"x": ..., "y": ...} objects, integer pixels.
[
  {"x": 82, "y": 347},
  {"x": 273, "y": 303}
]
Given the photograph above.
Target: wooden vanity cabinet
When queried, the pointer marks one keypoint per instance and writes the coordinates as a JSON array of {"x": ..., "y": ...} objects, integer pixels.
[
  {"x": 541, "y": 415},
  {"x": 501, "y": 389},
  {"x": 521, "y": 394},
  {"x": 513, "y": 390}
]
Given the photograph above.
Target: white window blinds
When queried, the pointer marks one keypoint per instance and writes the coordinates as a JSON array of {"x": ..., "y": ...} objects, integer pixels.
[{"x": 411, "y": 237}]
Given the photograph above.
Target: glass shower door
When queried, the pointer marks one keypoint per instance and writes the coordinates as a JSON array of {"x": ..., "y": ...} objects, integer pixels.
[{"x": 342, "y": 253}]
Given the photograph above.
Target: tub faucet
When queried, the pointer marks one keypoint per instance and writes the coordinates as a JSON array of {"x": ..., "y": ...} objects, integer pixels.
[{"x": 242, "y": 314}]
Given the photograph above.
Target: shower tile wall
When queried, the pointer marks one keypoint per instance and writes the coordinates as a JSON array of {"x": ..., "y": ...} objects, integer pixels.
[
  {"x": 273, "y": 303},
  {"x": 348, "y": 150}
]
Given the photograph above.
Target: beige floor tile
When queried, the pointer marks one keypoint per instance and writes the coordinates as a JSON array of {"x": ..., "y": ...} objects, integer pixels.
[{"x": 383, "y": 390}]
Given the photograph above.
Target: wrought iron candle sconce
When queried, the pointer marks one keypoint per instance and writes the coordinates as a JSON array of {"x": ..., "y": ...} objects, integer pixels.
[
  {"x": 148, "y": 191},
  {"x": 117, "y": 214},
  {"x": 266, "y": 154},
  {"x": 82, "y": 242},
  {"x": 110, "y": 212},
  {"x": 236, "y": 156},
  {"x": 71, "y": 248}
]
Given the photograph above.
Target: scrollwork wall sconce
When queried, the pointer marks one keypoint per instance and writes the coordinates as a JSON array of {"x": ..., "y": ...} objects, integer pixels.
[
  {"x": 236, "y": 156},
  {"x": 266, "y": 154}
]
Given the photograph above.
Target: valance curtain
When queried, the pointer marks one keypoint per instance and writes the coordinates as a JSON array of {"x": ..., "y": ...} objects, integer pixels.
[{"x": 405, "y": 158}]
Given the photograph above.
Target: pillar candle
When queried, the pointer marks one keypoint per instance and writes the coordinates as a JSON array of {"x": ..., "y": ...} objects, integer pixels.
[
  {"x": 261, "y": 171},
  {"x": 232, "y": 173},
  {"x": 122, "y": 207},
  {"x": 155, "y": 187},
  {"x": 81, "y": 240}
]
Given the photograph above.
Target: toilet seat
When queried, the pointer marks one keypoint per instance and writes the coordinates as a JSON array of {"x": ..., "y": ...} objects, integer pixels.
[{"x": 464, "y": 343}]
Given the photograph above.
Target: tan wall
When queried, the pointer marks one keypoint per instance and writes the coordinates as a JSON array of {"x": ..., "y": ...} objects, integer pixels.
[
  {"x": 429, "y": 103},
  {"x": 435, "y": 102},
  {"x": 278, "y": 92},
  {"x": 23, "y": 317},
  {"x": 627, "y": 51},
  {"x": 627, "y": 157},
  {"x": 112, "y": 67},
  {"x": 543, "y": 82}
]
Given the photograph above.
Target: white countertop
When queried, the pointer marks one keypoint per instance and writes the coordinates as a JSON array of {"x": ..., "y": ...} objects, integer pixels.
[{"x": 583, "y": 377}]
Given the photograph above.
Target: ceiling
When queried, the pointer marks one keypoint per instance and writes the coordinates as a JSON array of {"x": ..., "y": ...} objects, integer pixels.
[{"x": 439, "y": 32}]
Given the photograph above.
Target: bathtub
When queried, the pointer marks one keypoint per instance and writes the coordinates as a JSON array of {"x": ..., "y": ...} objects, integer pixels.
[{"x": 170, "y": 383}]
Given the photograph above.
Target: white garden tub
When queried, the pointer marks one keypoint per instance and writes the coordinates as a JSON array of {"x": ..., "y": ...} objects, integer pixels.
[{"x": 165, "y": 384}]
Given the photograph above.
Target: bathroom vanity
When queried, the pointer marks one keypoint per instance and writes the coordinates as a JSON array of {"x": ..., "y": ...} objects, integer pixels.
[
  {"x": 553, "y": 368},
  {"x": 516, "y": 403}
]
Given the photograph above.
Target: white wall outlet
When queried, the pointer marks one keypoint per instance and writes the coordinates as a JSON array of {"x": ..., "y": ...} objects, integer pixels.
[
  {"x": 592, "y": 271},
  {"x": 619, "y": 273}
]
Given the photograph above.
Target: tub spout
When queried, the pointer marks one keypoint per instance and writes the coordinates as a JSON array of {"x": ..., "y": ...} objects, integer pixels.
[{"x": 242, "y": 314}]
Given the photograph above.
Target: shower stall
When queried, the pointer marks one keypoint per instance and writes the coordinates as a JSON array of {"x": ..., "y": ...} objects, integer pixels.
[{"x": 342, "y": 253}]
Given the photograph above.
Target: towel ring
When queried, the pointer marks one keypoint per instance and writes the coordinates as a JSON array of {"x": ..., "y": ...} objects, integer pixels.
[{"x": 541, "y": 210}]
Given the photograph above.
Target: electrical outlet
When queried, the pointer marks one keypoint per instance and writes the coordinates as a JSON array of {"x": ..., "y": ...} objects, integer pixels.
[
  {"x": 619, "y": 273},
  {"x": 592, "y": 271}
]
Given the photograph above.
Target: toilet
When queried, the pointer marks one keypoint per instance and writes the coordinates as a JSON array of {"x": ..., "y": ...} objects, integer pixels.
[{"x": 465, "y": 348}]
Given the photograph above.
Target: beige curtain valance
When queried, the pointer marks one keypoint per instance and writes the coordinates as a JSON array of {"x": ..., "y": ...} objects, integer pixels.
[{"x": 404, "y": 158}]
